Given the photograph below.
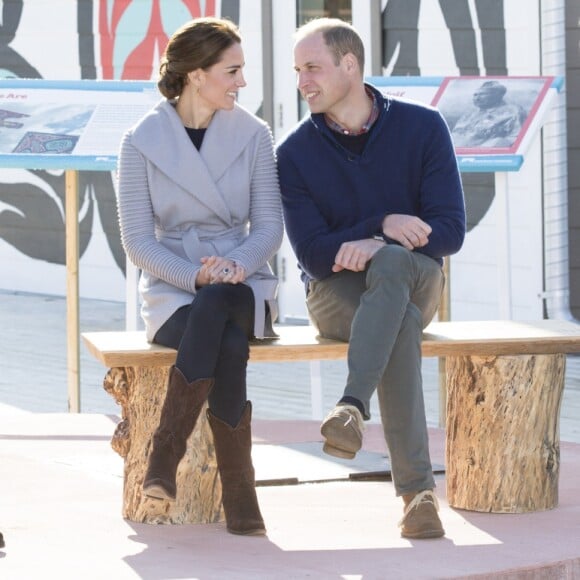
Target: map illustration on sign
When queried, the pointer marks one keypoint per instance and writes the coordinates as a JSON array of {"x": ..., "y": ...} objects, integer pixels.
[
  {"x": 42, "y": 128},
  {"x": 7, "y": 119},
  {"x": 35, "y": 142}
]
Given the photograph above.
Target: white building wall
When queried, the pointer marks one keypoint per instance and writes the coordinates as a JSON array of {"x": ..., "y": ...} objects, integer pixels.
[
  {"x": 535, "y": 46},
  {"x": 557, "y": 287},
  {"x": 476, "y": 291},
  {"x": 476, "y": 288}
]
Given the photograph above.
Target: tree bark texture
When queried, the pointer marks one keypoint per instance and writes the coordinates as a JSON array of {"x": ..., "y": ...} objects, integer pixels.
[
  {"x": 140, "y": 391},
  {"x": 503, "y": 440}
]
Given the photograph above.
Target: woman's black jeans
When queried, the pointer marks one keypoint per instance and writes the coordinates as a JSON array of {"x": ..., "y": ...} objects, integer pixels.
[{"x": 211, "y": 337}]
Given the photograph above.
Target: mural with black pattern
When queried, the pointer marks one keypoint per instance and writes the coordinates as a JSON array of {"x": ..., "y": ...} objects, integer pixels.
[
  {"x": 31, "y": 215},
  {"x": 121, "y": 39}
]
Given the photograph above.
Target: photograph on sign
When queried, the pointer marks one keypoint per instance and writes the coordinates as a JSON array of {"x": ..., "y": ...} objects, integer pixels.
[{"x": 490, "y": 115}]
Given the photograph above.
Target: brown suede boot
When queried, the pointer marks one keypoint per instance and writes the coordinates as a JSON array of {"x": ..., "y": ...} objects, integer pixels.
[
  {"x": 420, "y": 520},
  {"x": 179, "y": 414},
  {"x": 233, "y": 449}
]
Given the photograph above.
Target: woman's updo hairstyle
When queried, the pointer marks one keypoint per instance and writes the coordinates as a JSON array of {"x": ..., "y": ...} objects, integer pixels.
[{"x": 197, "y": 44}]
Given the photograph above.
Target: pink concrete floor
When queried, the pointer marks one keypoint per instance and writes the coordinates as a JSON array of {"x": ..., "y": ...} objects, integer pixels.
[{"x": 60, "y": 505}]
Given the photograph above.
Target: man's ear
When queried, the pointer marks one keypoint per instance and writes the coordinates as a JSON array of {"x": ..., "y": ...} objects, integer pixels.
[{"x": 350, "y": 62}]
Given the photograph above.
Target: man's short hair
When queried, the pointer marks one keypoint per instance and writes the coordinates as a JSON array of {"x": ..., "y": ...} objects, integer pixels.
[
  {"x": 494, "y": 86},
  {"x": 340, "y": 37}
]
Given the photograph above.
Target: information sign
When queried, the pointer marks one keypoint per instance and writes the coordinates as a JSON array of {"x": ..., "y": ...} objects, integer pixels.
[
  {"x": 68, "y": 124},
  {"x": 492, "y": 119}
]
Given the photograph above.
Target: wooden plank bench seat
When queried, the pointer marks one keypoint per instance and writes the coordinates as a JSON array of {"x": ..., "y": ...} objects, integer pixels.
[
  {"x": 440, "y": 339},
  {"x": 504, "y": 388}
]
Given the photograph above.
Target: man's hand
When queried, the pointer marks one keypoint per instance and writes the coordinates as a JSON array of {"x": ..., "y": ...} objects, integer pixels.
[
  {"x": 410, "y": 231},
  {"x": 355, "y": 255}
]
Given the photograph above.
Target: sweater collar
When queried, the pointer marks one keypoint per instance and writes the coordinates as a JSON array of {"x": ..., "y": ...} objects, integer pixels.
[
  {"x": 382, "y": 103},
  {"x": 162, "y": 139},
  {"x": 338, "y": 128}
]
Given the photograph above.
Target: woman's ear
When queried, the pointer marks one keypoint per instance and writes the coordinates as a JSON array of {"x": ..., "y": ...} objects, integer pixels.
[{"x": 195, "y": 78}]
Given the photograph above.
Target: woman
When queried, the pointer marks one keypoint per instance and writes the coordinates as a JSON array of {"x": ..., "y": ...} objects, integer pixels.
[{"x": 200, "y": 214}]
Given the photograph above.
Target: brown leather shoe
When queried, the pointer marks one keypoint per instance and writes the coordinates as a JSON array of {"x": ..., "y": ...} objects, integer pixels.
[
  {"x": 342, "y": 430},
  {"x": 420, "y": 520}
]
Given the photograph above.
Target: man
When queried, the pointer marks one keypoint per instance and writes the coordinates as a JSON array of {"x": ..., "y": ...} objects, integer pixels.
[
  {"x": 373, "y": 201},
  {"x": 494, "y": 123}
]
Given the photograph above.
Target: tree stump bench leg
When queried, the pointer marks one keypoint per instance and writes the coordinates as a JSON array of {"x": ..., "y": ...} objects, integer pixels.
[
  {"x": 141, "y": 391},
  {"x": 502, "y": 432}
]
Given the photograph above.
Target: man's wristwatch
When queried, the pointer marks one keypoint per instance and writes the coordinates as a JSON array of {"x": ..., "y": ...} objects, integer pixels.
[{"x": 380, "y": 238}]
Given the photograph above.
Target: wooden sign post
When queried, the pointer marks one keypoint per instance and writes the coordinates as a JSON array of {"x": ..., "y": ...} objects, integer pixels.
[{"x": 71, "y": 126}]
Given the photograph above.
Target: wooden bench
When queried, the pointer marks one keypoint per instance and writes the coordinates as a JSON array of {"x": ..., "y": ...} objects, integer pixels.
[{"x": 504, "y": 387}]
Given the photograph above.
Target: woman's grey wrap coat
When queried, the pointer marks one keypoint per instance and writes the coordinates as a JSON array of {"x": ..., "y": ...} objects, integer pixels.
[{"x": 177, "y": 204}]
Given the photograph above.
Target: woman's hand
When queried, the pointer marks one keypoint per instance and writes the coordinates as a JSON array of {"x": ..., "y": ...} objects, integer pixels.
[
  {"x": 216, "y": 270},
  {"x": 233, "y": 275}
]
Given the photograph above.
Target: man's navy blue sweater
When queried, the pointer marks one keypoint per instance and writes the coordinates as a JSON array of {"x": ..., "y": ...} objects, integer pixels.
[{"x": 331, "y": 195}]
